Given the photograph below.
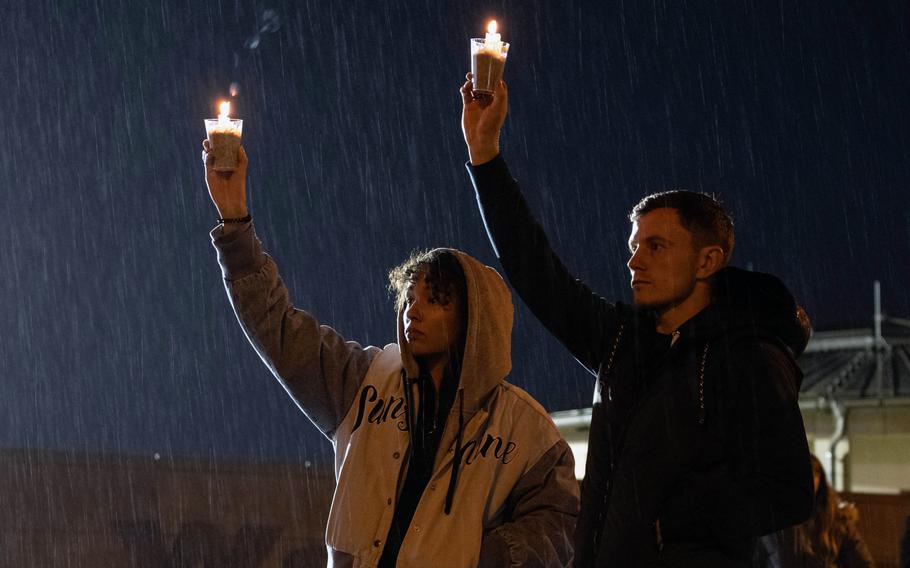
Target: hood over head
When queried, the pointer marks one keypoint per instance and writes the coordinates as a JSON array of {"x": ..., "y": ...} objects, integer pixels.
[
  {"x": 755, "y": 302},
  {"x": 487, "y": 355}
]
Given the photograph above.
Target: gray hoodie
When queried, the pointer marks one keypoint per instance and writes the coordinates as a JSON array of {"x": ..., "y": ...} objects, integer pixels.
[{"x": 507, "y": 473}]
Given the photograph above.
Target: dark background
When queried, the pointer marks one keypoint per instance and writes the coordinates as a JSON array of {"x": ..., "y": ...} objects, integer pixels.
[{"x": 118, "y": 336}]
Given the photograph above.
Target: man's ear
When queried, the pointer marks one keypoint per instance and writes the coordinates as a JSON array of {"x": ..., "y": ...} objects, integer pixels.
[{"x": 710, "y": 260}]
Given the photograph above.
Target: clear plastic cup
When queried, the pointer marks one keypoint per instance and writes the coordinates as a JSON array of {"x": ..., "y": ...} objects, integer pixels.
[
  {"x": 487, "y": 64},
  {"x": 224, "y": 142}
]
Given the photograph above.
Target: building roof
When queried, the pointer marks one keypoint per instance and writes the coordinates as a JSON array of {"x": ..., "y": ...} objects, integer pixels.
[{"x": 858, "y": 364}]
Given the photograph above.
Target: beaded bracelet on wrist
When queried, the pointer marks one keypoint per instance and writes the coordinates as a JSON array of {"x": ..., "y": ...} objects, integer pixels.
[{"x": 236, "y": 220}]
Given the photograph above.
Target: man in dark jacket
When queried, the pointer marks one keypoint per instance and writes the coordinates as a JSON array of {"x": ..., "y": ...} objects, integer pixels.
[{"x": 697, "y": 444}]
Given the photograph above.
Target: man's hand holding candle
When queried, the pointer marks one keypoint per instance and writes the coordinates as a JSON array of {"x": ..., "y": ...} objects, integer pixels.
[{"x": 482, "y": 119}]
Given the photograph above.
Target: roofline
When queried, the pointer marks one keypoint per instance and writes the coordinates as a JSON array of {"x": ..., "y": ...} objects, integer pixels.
[
  {"x": 858, "y": 339},
  {"x": 575, "y": 418},
  {"x": 844, "y": 341},
  {"x": 821, "y": 403},
  {"x": 581, "y": 417}
]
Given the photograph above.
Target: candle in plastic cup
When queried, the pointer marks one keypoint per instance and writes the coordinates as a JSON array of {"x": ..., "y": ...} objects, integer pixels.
[
  {"x": 224, "y": 140},
  {"x": 488, "y": 59}
]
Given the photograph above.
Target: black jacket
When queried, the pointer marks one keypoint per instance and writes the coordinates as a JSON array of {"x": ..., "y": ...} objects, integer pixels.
[{"x": 695, "y": 449}]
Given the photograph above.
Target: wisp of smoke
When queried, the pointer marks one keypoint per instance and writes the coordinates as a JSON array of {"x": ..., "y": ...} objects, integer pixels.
[{"x": 268, "y": 23}]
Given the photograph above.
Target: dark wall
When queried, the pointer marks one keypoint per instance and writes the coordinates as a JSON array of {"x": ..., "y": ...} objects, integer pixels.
[
  {"x": 90, "y": 510},
  {"x": 882, "y": 522}
]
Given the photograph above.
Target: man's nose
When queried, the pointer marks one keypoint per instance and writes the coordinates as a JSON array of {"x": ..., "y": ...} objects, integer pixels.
[{"x": 635, "y": 261}]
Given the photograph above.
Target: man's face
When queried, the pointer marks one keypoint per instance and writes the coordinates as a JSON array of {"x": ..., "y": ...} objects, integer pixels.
[
  {"x": 432, "y": 329},
  {"x": 664, "y": 260}
]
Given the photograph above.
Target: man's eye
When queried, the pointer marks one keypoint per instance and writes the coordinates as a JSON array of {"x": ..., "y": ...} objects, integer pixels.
[{"x": 656, "y": 246}]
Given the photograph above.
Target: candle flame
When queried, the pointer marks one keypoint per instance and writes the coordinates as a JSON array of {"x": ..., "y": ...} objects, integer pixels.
[
  {"x": 224, "y": 109},
  {"x": 491, "y": 27}
]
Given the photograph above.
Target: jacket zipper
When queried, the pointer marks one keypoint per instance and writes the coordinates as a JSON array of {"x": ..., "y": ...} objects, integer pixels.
[{"x": 598, "y": 534}]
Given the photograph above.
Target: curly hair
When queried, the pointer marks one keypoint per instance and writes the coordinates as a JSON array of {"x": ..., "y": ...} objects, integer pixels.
[
  {"x": 823, "y": 532},
  {"x": 441, "y": 271}
]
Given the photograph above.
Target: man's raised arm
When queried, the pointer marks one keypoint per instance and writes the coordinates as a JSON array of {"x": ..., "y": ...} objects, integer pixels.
[{"x": 579, "y": 318}]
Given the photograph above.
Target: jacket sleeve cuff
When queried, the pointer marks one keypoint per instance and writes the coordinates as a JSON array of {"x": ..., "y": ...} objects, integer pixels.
[
  {"x": 492, "y": 172},
  {"x": 239, "y": 252}
]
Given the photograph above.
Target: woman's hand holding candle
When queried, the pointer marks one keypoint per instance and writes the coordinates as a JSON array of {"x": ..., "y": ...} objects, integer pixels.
[
  {"x": 225, "y": 166},
  {"x": 227, "y": 189}
]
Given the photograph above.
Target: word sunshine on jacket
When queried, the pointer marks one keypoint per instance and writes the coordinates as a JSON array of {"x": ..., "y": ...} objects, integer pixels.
[{"x": 378, "y": 411}]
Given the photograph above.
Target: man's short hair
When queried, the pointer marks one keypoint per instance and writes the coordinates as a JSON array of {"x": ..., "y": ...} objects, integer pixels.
[
  {"x": 701, "y": 214},
  {"x": 442, "y": 272}
]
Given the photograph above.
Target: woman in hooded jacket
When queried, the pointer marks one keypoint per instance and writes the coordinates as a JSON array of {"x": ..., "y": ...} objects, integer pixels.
[{"x": 439, "y": 460}]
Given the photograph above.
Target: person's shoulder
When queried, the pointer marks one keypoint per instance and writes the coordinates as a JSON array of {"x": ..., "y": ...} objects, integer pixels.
[
  {"x": 386, "y": 362},
  {"x": 523, "y": 405},
  {"x": 749, "y": 349},
  {"x": 757, "y": 360}
]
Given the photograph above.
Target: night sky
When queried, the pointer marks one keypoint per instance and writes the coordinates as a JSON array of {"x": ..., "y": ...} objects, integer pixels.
[{"x": 118, "y": 335}]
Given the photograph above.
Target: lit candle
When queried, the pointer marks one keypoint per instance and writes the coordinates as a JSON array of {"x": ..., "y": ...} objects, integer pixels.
[
  {"x": 224, "y": 109},
  {"x": 488, "y": 57},
  {"x": 224, "y": 138},
  {"x": 492, "y": 41}
]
